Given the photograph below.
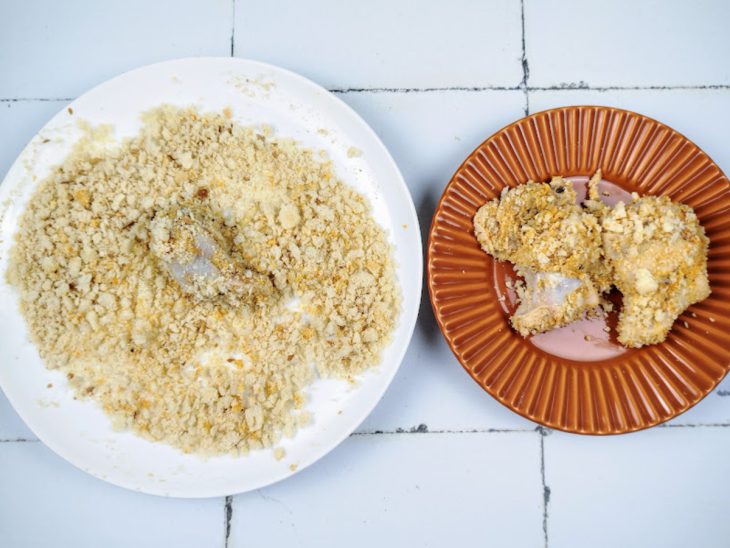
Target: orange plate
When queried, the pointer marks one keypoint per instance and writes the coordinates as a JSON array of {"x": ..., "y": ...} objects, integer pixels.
[{"x": 578, "y": 378}]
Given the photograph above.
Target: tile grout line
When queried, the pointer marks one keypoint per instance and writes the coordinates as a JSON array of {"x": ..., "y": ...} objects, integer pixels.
[
  {"x": 19, "y": 440},
  {"x": 524, "y": 87},
  {"x": 233, "y": 26},
  {"x": 423, "y": 429},
  {"x": 36, "y": 99},
  {"x": 561, "y": 87},
  {"x": 227, "y": 514},
  {"x": 582, "y": 86},
  {"x": 424, "y": 89},
  {"x": 542, "y": 432},
  {"x": 525, "y": 64}
]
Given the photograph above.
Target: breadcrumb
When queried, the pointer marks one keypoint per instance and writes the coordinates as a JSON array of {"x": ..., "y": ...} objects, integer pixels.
[
  {"x": 657, "y": 250},
  {"x": 212, "y": 360}
]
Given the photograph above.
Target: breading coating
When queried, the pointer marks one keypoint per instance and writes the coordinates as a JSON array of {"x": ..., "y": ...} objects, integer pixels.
[
  {"x": 657, "y": 250},
  {"x": 554, "y": 243},
  {"x": 652, "y": 249}
]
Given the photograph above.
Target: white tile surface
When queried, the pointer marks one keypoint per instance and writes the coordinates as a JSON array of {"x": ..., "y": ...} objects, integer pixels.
[
  {"x": 11, "y": 425},
  {"x": 408, "y": 44},
  {"x": 429, "y": 134},
  {"x": 46, "y": 502},
  {"x": 665, "y": 487},
  {"x": 60, "y": 49},
  {"x": 627, "y": 43},
  {"x": 404, "y": 490},
  {"x": 19, "y": 122}
]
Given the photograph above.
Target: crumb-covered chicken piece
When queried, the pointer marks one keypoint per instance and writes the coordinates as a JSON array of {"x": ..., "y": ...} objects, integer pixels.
[
  {"x": 657, "y": 250},
  {"x": 200, "y": 264},
  {"x": 554, "y": 243}
]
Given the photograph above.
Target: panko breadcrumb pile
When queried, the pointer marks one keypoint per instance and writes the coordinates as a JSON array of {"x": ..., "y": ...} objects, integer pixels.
[{"x": 195, "y": 279}]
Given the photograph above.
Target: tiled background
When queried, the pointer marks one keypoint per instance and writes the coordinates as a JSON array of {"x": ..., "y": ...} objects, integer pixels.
[{"x": 434, "y": 78}]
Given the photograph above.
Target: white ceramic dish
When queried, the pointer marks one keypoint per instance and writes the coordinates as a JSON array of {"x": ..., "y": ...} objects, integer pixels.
[{"x": 257, "y": 93}]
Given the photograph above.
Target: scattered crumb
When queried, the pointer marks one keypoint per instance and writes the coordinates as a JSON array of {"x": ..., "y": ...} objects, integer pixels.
[
  {"x": 49, "y": 385},
  {"x": 293, "y": 467},
  {"x": 587, "y": 338},
  {"x": 279, "y": 453},
  {"x": 70, "y": 110},
  {"x": 354, "y": 152},
  {"x": 405, "y": 226},
  {"x": 252, "y": 86}
]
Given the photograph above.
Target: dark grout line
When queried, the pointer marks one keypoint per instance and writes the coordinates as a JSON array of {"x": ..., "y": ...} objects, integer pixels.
[
  {"x": 424, "y": 90},
  {"x": 525, "y": 64},
  {"x": 542, "y": 432},
  {"x": 36, "y": 99},
  {"x": 228, "y": 514},
  {"x": 562, "y": 87},
  {"x": 423, "y": 429},
  {"x": 582, "y": 86},
  {"x": 233, "y": 25},
  {"x": 19, "y": 440}
]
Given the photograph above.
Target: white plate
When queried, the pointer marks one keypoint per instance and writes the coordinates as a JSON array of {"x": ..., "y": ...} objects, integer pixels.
[{"x": 257, "y": 93}]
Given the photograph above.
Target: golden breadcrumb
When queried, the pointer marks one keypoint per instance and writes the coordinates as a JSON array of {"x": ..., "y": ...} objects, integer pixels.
[
  {"x": 191, "y": 278},
  {"x": 657, "y": 250}
]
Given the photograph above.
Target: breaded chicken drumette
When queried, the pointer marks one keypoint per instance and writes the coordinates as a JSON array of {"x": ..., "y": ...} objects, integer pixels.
[
  {"x": 555, "y": 245},
  {"x": 657, "y": 251}
]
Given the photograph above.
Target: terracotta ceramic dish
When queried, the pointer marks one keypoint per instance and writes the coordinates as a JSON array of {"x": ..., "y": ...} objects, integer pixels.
[{"x": 578, "y": 378}]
